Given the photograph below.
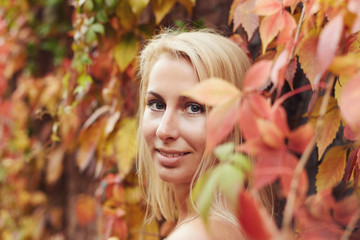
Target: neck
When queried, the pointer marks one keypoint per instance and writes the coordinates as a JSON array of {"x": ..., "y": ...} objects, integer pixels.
[{"x": 182, "y": 192}]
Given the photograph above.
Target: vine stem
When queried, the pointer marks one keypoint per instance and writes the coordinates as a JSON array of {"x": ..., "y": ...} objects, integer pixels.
[
  {"x": 290, "y": 203},
  {"x": 298, "y": 30},
  {"x": 350, "y": 227}
]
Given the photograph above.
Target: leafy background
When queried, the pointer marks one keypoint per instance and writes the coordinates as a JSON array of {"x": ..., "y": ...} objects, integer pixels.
[{"x": 68, "y": 101}]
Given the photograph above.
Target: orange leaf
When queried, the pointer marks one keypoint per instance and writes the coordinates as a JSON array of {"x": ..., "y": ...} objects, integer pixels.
[
  {"x": 267, "y": 7},
  {"x": 257, "y": 77},
  {"x": 270, "y": 133},
  {"x": 221, "y": 122},
  {"x": 244, "y": 16},
  {"x": 279, "y": 117},
  {"x": 253, "y": 218},
  {"x": 286, "y": 33},
  {"x": 213, "y": 92},
  {"x": 252, "y": 107},
  {"x": 350, "y": 103},
  {"x": 88, "y": 141},
  {"x": 354, "y": 6},
  {"x": 300, "y": 138},
  {"x": 331, "y": 169},
  {"x": 279, "y": 69},
  {"x": 85, "y": 209},
  {"x": 290, "y": 72},
  {"x": 55, "y": 165},
  {"x": 307, "y": 56},
  {"x": 328, "y": 42},
  {"x": 346, "y": 65},
  {"x": 269, "y": 28},
  {"x": 330, "y": 124}
]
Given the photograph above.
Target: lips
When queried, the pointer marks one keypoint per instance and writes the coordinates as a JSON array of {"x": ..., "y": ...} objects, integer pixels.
[{"x": 170, "y": 159}]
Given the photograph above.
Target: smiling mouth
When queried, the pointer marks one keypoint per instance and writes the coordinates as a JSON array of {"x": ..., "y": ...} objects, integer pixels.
[{"x": 171, "y": 154}]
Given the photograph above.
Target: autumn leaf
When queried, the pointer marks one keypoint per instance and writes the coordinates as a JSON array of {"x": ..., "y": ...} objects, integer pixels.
[
  {"x": 253, "y": 218},
  {"x": 125, "y": 145},
  {"x": 286, "y": 34},
  {"x": 161, "y": 8},
  {"x": 328, "y": 42},
  {"x": 346, "y": 65},
  {"x": 306, "y": 51},
  {"x": 85, "y": 209},
  {"x": 188, "y": 4},
  {"x": 257, "y": 77},
  {"x": 88, "y": 141},
  {"x": 269, "y": 28},
  {"x": 291, "y": 3},
  {"x": 137, "y": 6},
  {"x": 267, "y": 7},
  {"x": 244, "y": 16},
  {"x": 270, "y": 133},
  {"x": 326, "y": 132},
  {"x": 221, "y": 122},
  {"x": 331, "y": 169},
  {"x": 300, "y": 138},
  {"x": 349, "y": 103},
  {"x": 55, "y": 165},
  {"x": 213, "y": 92},
  {"x": 125, "y": 51},
  {"x": 278, "y": 71}
]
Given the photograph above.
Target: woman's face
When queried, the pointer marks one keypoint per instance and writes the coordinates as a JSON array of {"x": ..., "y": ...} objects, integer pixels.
[{"x": 173, "y": 125}]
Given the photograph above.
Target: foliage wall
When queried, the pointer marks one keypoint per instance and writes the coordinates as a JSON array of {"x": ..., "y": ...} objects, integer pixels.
[{"x": 68, "y": 93}]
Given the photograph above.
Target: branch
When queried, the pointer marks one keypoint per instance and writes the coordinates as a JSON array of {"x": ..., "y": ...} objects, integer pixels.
[
  {"x": 350, "y": 227},
  {"x": 290, "y": 203}
]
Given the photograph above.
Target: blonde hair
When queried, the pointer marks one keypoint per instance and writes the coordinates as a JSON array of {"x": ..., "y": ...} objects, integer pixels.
[{"x": 211, "y": 55}]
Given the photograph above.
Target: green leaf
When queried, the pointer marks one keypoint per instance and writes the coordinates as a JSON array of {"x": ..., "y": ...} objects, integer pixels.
[
  {"x": 101, "y": 16},
  {"x": 230, "y": 181},
  {"x": 88, "y": 5},
  {"x": 241, "y": 161},
  {"x": 83, "y": 82},
  {"x": 90, "y": 36},
  {"x": 126, "y": 51},
  {"x": 137, "y": 6},
  {"x": 207, "y": 194},
  {"x": 224, "y": 151},
  {"x": 98, "y": 28},
  {"x": 110, "y": 3}
]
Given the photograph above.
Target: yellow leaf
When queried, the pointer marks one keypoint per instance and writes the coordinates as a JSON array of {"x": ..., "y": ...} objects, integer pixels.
[
  {"x": 329, "y": 127},
  {"x": 138, "y": 6},
  {"x": 125, "y": 13},
  {"x": 51, "y": 93},
  {"x": 331, "y": 169},
  {"x": 55, "y": 165},
  {"x": 161, "y": 8},
  {"x": 339, "y": 85},
  {"x": 125, "y": 145},
  {"x": 346, "y": 65},
  {"x": 188, "y": 4},
  {"x": 126, "y": 51}
]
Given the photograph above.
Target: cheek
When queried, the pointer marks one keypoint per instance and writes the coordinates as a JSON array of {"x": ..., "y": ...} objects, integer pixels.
[
  {"x": 148, "y": 128},
  {"x": 196, "y": 132}
]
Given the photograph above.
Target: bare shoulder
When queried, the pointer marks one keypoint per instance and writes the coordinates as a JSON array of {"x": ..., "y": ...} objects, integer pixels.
[{"x": 216, "y": 230}]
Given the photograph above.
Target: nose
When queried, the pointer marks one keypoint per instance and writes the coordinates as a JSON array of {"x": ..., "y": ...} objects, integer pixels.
[{"x": 168, "y": 129}]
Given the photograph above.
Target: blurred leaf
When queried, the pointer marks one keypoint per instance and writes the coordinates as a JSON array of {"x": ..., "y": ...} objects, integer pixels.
[
  {"x": 161, "y": 8},
  {"x": 126, "y": 51},
  {"x": 258, "y": 76},
  {"x": 127, "y": 18},
  {"x": 230, "y": 181},
  {"x": 244, "y": 16},
  {"x": 55, "y": 165},
  {"x": 138, "y": 6},
  {"x": 125, "y": 145},
  {"x": 224, "y": 151},
  {"x": 85, "y": 209}
]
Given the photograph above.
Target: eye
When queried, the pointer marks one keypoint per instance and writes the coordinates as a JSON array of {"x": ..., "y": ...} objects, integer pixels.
[
  {"x": 194, "y": 108},
  {"x": 156, "y": 105}
]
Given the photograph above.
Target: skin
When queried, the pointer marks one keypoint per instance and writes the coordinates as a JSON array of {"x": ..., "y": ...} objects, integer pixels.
[{"x": 174, "y": 128}]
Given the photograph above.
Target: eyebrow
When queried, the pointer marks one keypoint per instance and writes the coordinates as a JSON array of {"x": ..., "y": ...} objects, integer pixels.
[{"x": 155, "y": 95}]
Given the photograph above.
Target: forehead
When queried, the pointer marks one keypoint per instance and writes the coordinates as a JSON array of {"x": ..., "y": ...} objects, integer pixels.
[{"x": 169, "y": 73}]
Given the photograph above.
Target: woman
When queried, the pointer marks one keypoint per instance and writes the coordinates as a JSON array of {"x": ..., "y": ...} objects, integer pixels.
[{"x": 172, "y": 132}]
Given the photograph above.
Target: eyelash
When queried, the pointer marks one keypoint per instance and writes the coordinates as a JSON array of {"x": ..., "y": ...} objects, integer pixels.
[{"x": 201, "y": 108}]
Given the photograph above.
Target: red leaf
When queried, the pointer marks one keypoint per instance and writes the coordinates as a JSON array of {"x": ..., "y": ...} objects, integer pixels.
[
  {"x": 252, "y": 107},
  {"x": 257, "y": 77},
  {"x": 300, "y": 138},
  {"x": 279, "y": 117},
  {"x": 269, "y": 28},
  {"x": 279, "y": 69},
  {"x": 350, "y": 103},
  {"x": 290, "y": 72},
  {"x": 253, "y": 218},
  {"x": 221, "y": 122},
  {"x": 267, "y": 7},
  {"x": 270, "y": 133},
  {"x": 243, "y": 16},
  {"x": 350, "y": 134},
  {"x": 328, "y": 42},
  {"x": 308, "y": 58}
]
